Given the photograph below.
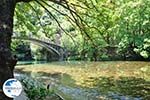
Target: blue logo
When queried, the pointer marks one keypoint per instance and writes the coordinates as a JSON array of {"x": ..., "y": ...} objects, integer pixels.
[{"x": 12, "y": 88}]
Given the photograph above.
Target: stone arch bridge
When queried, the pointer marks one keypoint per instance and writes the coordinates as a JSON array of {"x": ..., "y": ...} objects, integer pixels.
[{"x": 50, "y": 46}]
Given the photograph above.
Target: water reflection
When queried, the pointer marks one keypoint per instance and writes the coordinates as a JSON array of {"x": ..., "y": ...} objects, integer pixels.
[
  {"x": 94, "y": 80},
  {"x": 30, "y": 62}
]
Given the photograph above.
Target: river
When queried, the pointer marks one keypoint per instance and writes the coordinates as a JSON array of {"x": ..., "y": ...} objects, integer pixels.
[{"x": 74, "y": 80}]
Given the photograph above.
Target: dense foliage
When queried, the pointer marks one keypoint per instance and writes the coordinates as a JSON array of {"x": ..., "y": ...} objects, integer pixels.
[
  {"x": 35, "y": 90},
  {"x": 99, "y": 30}
]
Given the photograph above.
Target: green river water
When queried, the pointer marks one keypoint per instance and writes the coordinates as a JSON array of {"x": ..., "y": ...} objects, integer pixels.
[{"x": 119, "y": 80}]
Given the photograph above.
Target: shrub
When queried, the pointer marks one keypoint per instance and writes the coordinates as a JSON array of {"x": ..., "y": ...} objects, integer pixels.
[{"x": 34, "y": 89}]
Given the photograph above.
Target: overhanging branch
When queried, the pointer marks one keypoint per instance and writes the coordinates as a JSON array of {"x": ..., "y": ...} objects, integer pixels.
[
  {"x": 24, "y": 0},
  {"x": 75, "y": 17},
  {"x": 51, "y": 15}
]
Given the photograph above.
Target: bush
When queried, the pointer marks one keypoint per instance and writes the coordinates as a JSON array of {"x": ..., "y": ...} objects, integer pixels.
[
  {"x": 34, "y": 89},
  {"x": 144, "y": 49}
]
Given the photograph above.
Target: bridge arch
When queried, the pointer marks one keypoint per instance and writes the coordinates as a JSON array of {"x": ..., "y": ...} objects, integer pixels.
[{"x": 60, "y": 51}]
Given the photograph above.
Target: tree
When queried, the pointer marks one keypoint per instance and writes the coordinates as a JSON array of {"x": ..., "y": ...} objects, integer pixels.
[
  {"x": 6, "y": 28},
  {"x": 7, "y": 7},
  {"x": 101, "y": 23}
]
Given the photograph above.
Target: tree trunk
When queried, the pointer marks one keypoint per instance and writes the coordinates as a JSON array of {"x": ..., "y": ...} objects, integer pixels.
[{"x": 6, "y": 28}]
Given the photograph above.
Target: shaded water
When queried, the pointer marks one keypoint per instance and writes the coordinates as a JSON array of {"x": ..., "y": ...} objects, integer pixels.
[
  {"x": 94, "y": 80},
  {"x": 30, "y": 62}
]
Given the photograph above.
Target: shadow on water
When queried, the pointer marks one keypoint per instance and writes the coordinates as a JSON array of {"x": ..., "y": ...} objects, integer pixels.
[
  {"x": 58, "y": 77},
  {"x": 123, "y": 86},
  {"x": 94, "y": 80},
  {"x": 54, "y": 79},
  {"x": 30, "y": 62},
  {"x": 105, "y": 88}
]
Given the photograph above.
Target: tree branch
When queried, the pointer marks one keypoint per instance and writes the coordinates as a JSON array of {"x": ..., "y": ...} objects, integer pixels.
[
  {"x": 24, "y": 0},
  {"x": 55, "y": 20}
]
